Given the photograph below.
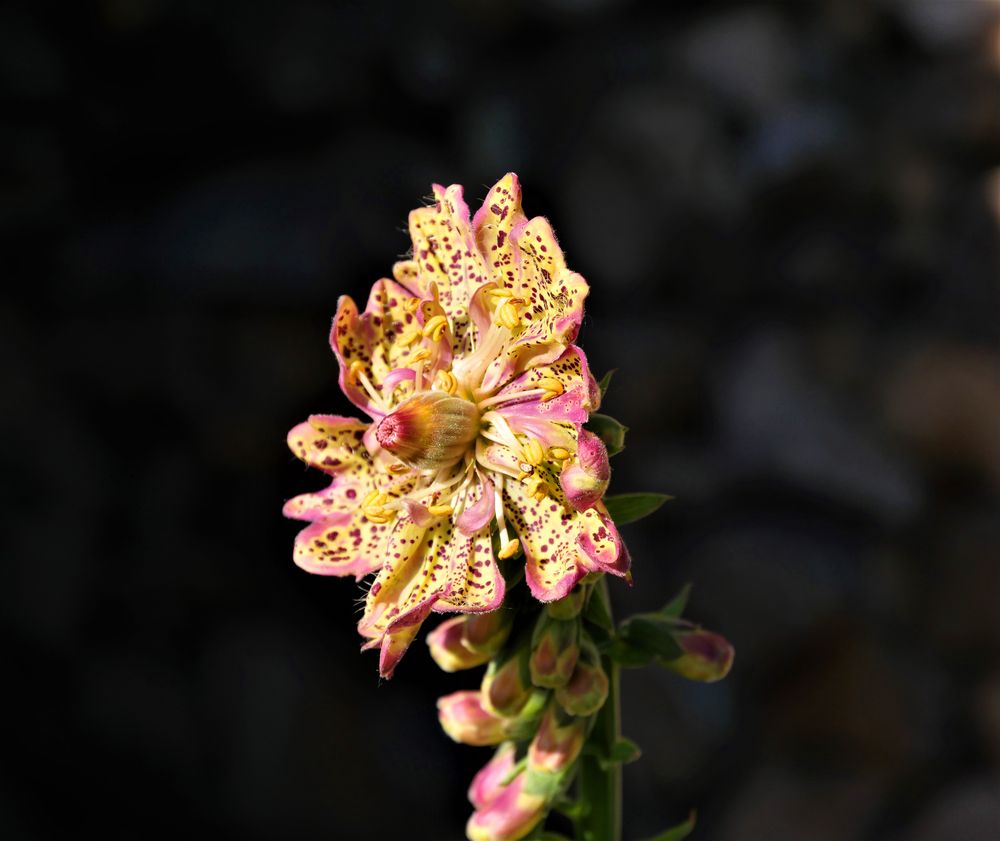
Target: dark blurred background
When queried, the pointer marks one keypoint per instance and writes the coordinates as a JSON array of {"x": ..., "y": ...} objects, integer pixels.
[{"x": 789, "y": 217}]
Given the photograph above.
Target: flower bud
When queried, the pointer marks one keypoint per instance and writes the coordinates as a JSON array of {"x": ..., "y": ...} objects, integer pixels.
[
  {"x": 587, "y": 689},
  {"x": 486, "y": 633},
  {"x": 568, "y": 607},
  {"x": 488, "y": 783},
  {"x": 507, "y": 683},
  {"x": 430, "y": 431},
  {"x": 554, "y": 651},
  {"x": 558, "y": 742},
  {"x": 511, "y": 815},
  {"x": 448, "y": 649},
  {"x": 706, "y": 657},
  {"x": 585, "y": 479},
  {"x": 465, "y": 719}
]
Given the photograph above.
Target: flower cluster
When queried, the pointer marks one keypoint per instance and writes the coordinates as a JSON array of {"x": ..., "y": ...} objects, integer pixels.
[{"x": 474, "y": 449}]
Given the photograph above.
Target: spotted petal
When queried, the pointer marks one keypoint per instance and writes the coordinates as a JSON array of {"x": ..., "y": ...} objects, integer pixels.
[
  {"x": 379, "y": 343},
  {"x": 524, "y": 256},
  {"x": 346, "y": 543},
  {"x": 445, "y": 257},
  {"x": 428, "y": 567},
  {"x": 560, "y": 544}
]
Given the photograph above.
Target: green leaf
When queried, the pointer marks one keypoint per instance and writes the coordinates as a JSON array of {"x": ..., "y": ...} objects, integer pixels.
[
  {"x": 676, "y": 833},
  {"x": 675, "y": 607},
  {"x": 606, "y": 381},
  {"x": 623, "y": 752},
  {"x": 650, "y": 634},
  {"x": 610, "y": 431},
  {"x": 627, "y": 508}
]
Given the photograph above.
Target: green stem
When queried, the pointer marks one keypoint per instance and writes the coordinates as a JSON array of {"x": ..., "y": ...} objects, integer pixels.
[{"x": 600, "y": 789}]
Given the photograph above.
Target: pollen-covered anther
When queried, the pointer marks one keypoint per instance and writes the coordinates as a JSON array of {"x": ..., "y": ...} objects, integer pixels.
[
  {"x": 435, "y": 328},
  {"x": 500, "y": 292},
  {"x": 355, "y": 369},
  {"x": 559, "y": 454},
  {"x": 552, "y": 388},
  {"x": 430, "y": 431},
  {"x": 411, "y": 305},
  {"x": 533, "y": 452},
  {"x": 509, "y": 550},
  {"x": 373, "y": 509},
  {"x": 421, "y": 355},
  {"x": 397, "y": 468},
  {"x": 445, "y": 381},
  {"x": 441, "y": 510},
  {"x": 507, "y": 315}
]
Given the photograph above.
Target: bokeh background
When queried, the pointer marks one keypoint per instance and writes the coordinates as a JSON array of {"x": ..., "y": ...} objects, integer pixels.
[{"x": 789, "y": 216}]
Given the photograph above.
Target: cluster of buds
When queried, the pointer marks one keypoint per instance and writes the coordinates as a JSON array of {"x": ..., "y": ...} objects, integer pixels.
[{"x": 543, "y": 686}]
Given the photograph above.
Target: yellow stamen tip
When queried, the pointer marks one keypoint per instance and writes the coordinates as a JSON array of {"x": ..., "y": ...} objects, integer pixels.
[
  {"x": 533, "y": 452},
  {"x": 410, "y": 336},
  {"x": 559, "y": 454},
  {"x": 421, "y": 355},
  {"x": 355, "y": 368},
  {"x": 411, "y": 305},
  {"x": 446, "y": 382},
  {"x": 441, "y": 510},
  {"x": 434, "y": 329},
  {"x": 397, "y": 468},
  {"x": 500, "y": 292},
  {"x": 507, "y": 315},
  {"x": 509, "y": 550}
]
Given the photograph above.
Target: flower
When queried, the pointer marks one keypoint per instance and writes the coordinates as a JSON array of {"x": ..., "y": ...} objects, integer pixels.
[{"x": 476, "y": 396}]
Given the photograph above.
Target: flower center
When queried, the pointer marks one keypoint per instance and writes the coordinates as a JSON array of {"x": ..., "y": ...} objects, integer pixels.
[{"x": 430, "y": 431}]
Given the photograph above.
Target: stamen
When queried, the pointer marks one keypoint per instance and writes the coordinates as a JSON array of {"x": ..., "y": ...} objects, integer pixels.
[
  {"x": 552, "y": 387},
  {"x": 397, "y": 468},
  {"x": 507, "y": 315},
  {"x": 559, "y": 454},
  {"x": 441, "y": 510},
  {"x": 514, "y": 395},
  {"x": 421, "y": 355},
  {"x": 509, "y": 549},
  {"x": 356, "y": 373},
  {"x": 533, "y": 452},
  {"x": 500, "y": 292},
  {"x": 411, "y": 305},
  {"x": 434, "y": 329},
  {"x": 446, "y": 382}
]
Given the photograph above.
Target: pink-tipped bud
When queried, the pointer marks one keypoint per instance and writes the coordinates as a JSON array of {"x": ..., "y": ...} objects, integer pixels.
[
  {"x": 507, "y": 684},
  {"x": 429, "y": 431},
  {"x": 707, "y": 656},
  {"x": 570, "y": 606},
  {"x": 510, "y": 816},
  {"x": 486, "y": 633},
  {"x": 558, "y": 742},
  {"x": 449, "y": 650},
  {"x": 466, "y": 719},
  {"x": 489, "y": 781},
  {"x": 587, "y": 689},
  {"x": 585, "y": 479},
  {"x": 554, "y": 651}
]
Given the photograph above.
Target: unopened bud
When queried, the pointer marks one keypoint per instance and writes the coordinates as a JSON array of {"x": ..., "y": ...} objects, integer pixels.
[
  {"x": 512, "y": 814},
  {"x": 554, "y": 651},
  {"x": 587, "y": 689},
  {"x": 488, "y": 783},
  {"x": 507, "y": 683},
  {"x": 706, "y": 657},
  {"x": 585, "y": 479},
  {"x": 466, "y": 719},
  {"x": 448, "y": 648},
  {"x": 486, "y": 633},
  {"x": 558, "y": 742},
  {"x": 429, "y": 431}
]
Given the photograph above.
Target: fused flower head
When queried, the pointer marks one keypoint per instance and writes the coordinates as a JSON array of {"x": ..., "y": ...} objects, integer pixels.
[{"x": 476, "y": 398}]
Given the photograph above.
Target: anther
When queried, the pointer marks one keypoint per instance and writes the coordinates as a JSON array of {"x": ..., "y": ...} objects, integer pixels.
[
  {"x": 441, "y": 510},
  {"x": 559, "y": 454},
  {"x": 509, "y": 550},
  {"x": 552, "y": 387},
  {"x": 500, "y": 292},
  {"x": 411, "y": 335},
  {"x": 507, "y": 315},
  {"x": 397, "y": 468},
  {"x": 355, "y": 368},
  {"x": 411, "y": 305},
  {"x": 533, "y": 452},
  {"x": 434, "y": 329},
  {"x": 368, "y": 500},
  {"x": 446, "y": 382},
  {"x": 421, "y": 355}
]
